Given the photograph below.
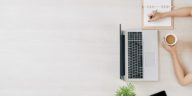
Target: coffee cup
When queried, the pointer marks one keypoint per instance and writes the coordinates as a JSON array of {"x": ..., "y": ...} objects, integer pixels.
[{"x": 170, "y": 39}]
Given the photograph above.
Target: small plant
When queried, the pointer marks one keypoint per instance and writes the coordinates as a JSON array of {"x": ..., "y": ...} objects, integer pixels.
[{"x": 126, "y": 90}]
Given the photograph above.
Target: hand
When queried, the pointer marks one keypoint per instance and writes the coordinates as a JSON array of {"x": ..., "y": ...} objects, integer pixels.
[
  {"x": 154, "y": 16},
  {"x": 170, "y": 49}
]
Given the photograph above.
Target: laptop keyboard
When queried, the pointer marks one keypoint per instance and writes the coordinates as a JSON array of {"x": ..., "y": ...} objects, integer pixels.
[{"x": 135, "y": 55}]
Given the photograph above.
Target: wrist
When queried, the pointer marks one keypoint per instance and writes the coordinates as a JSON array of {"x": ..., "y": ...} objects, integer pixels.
[{"x": 164, "y": 15}]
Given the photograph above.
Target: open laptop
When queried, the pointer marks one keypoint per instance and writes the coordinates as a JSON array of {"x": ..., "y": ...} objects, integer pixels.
[{"x": 140, "y": 55}]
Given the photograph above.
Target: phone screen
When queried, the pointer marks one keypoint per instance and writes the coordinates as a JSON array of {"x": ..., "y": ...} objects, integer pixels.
[{"x": 162, "y": 93}]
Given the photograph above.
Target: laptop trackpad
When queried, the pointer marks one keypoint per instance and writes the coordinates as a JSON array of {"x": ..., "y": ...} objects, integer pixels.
[{"x": 149, "y": 59}]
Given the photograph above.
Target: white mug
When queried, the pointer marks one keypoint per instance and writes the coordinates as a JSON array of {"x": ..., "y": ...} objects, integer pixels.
[{"x": 175, "y": 39}]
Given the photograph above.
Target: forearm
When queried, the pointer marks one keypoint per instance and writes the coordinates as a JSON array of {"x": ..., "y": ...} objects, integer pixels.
[
  {"x": 179, "y": 71},
  {"x": 182, "y": 12}
]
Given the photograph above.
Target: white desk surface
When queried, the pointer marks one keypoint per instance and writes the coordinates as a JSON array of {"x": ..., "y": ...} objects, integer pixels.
[{"x": 71, "y": 48}]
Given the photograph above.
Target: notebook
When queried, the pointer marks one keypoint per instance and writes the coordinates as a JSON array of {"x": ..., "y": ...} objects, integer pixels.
[{"x": 161, "y": 6}]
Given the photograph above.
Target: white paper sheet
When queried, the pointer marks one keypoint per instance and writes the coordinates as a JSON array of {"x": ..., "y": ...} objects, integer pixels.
[{"x": 160, "y": 6}]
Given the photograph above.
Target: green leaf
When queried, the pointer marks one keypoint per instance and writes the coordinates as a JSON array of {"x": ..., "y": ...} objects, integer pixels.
[{"x": 127, "y": 90}]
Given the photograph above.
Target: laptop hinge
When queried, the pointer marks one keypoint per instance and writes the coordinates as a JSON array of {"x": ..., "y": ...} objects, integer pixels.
[{"x": 122, "y": 54}]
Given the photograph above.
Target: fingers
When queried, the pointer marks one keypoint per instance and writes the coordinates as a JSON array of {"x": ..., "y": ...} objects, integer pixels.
[
  {"x": 152, "y": 16},
  {"x": 152, "y": 19},
  {"x": 153, "y": 13},
  {"x": 163, "y": 43}
]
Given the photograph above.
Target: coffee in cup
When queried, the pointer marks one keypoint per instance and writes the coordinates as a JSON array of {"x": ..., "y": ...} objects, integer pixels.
[{"x": 171, "y": 39}]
